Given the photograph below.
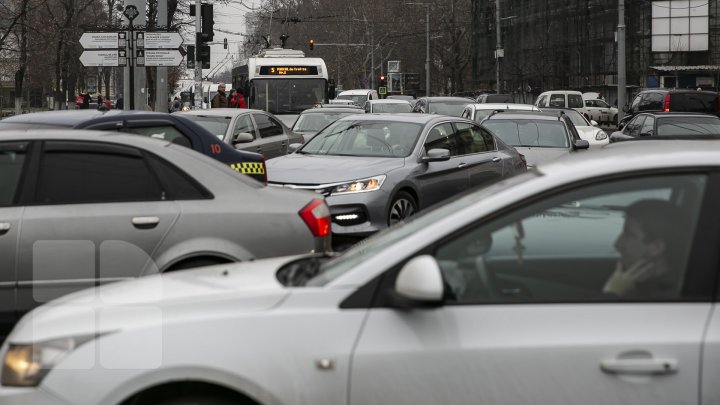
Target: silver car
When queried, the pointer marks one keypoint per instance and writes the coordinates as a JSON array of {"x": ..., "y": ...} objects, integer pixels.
[
  {"x": 250, "y": 130},
  {"x": 376, "y": 170},
  {"x": 81, "y": 208}
]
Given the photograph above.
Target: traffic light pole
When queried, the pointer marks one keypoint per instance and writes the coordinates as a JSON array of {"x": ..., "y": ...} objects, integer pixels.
[{"x": 198, "y": 64}]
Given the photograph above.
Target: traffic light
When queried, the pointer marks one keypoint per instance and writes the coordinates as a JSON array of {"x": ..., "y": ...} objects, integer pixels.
[
  {"x": 206, "y": 20},
  {"x": 191, "y": 56},
  {"x": 311, "y": 44},
  {"x": 382, "y": 81}
]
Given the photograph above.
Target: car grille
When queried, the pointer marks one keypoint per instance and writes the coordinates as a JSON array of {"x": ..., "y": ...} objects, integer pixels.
[{"x": 323, "y": 189}]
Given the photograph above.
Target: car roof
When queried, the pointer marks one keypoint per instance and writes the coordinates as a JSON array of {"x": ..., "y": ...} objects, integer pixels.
[
  {"x": 389, "y": 101},
  {"x": 661, "y": 114},
  {"x": 322, "y": 110},
  {"x": 355, "y": 92},
  {"x": 507, "y": 106},
  {"x": 525, "y": 115},
  {"x": 443, "y": 98},
  {"x": 404, "y": 117},
  {"x": 659, "y": 90},
  {"x": 67, "y": 118},
  {"x": 84, "y": 135},
  {"x": 219, "y": 112}
]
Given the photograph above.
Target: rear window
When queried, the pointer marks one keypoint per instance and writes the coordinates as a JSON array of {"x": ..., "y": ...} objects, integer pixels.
[
  {"x": 688, "y": 126},
  {"x": 528, "y": 133},
  {"x": 694, "y": 102}
]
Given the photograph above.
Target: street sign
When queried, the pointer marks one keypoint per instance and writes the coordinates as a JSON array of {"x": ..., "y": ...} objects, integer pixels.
[
  {"x": 104, "y": 57},
  {"x": 140, "y": 58},
  {"x": 163, "y": 40},
  {"x": 382, "y": 90},
  {"x": 157, "y": 57},
  {"x": 102, "y": 40}
]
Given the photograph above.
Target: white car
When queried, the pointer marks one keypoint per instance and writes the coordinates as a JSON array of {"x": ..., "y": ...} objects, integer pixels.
[
  {"x": 500, "y": 296},
  {"x": 600, "y": 111},
  {"x": 479, "y": 111},
  {"x": 587, "y": 129}
]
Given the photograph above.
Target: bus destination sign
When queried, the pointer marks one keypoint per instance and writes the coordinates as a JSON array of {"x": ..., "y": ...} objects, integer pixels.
[{"x": 288, "y": 70}]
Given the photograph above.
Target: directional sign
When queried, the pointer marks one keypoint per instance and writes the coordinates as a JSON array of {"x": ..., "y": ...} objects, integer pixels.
[
  {"x": 105, "y": 57},
  {"x": 154, "y": 57},
  {"x": 102, "y": 40},
  {"x": 162, "y": 40}
]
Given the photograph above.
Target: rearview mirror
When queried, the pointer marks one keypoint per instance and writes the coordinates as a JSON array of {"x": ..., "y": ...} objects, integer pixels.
[
  {"x": 581, "y": 144},
  {"x": 243, "y": 137},
  {"x": 436, "y": 155},
  {"x": 293, "y": 147}
]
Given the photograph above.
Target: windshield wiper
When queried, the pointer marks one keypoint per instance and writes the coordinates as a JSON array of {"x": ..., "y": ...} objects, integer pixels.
[{"x": 299, "y": 272}]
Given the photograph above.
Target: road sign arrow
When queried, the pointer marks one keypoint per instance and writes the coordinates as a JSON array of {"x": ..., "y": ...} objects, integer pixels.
[
  {"x": 162, "y": 40},
  {"x": 99, "y": 40},
  {"x": 105, "y": 57},
  {"x": 155, "y": 57}
]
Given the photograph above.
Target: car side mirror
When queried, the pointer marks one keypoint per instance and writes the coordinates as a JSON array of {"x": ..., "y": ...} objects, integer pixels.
[
  {"x": 243, "y": 137},
  {"x": 625, "y": 108},
  {"x": 419, "y": 284},
  {"x": 436, "y": 155},
  {"x": 593, "y": 123},
  {"x": 293, "y": 147},
  {"x": 581, "y": 144}
]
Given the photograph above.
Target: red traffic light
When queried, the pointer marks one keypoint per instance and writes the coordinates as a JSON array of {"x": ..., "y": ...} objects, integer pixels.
[{"x": 311, "y": 44}]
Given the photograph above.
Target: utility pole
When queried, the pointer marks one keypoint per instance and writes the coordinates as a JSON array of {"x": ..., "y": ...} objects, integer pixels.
[
  {"x": 427, "y": 50},
  {"x": 198, "y": 63},
  {"x": 372, "y": 57},
  {"x": 498, "y": 46},
  {"x": 621, "y": 59},
  {"x": 161, "y": 88}
]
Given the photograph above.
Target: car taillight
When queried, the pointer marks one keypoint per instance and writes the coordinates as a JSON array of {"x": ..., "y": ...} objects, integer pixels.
[
  {"x": 666, "y": 106},
  {"x": 317, "y": 217}
]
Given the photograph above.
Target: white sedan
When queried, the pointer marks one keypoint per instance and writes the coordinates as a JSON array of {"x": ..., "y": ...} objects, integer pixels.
[
  {"x": 587, "y": 129},
  {"x": 511, "y": 294},
  {"x": 601, "y": 111}
]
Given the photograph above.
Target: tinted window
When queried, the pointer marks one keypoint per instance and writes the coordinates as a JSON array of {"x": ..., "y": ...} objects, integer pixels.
[
  {"x": 670, "y": 126},
  {"x": 647, "y": 127},
  {"x": 442, "y": 137},
  {"x": 165, "y": 132},
  {"x": 453, "y": 108},
  {"x": 12, "y": 158},
  {"x": 633, "y": 127},
  {"x": 557, "y": 100},
  {"x": 601, "y": 233},
  {"x": 364, "y": 138},
  {"x": 179, "y": 185},
  {"x": 652, "y": 102},
  {"x": 68, "y": 176},
  {"x": 694, "y": 102},
  {"x": 575, "y": 101},
  {"x": 550, "y": 134},
  {"x": 267, "y": 126},
  {"x": 473, "y": 139}
]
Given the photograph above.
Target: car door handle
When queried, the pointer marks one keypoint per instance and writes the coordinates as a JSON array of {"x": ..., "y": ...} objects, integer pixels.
[
  {"x": 4, "y": 227},
  {"x": 145, "y": 222},
  {"x": 496, "y": 159},
  {"x": 461, "y": 165},
  {"x": 639, "y": 366}
]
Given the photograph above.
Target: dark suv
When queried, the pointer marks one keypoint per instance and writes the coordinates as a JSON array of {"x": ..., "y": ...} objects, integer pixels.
[{"x": 679, "y": 100}]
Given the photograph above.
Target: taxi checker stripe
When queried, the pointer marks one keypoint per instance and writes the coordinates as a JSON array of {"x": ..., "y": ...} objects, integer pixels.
[{"x": 249, "y": 168}]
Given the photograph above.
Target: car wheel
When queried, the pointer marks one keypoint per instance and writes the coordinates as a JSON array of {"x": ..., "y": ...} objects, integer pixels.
[{"x": 403, "y": 206}]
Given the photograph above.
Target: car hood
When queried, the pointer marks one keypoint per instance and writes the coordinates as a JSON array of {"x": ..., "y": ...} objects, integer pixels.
[
  {"x": 535, "y": 156},
  {"x": 148, "y": 301},
  {"x": 297, "y": 168}
]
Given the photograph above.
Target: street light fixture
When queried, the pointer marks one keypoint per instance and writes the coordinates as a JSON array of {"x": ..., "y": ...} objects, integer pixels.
[{"x": 427, "y": 51}]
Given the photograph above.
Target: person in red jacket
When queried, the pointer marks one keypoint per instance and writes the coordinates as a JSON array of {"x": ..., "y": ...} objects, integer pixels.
[{"x": 237, "y": 100}]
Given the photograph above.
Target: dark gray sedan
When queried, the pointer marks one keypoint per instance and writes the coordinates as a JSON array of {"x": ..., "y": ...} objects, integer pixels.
[{"x": 376, "y": 170}]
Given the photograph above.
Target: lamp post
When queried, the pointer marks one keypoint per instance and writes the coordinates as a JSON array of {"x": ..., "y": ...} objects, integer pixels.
[
  {"x": 427, "y": 49},
  {"x": 499, "y": 51}
]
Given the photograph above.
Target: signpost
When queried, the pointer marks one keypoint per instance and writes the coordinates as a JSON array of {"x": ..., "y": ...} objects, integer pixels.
[
  {"x": 162, "y": 40},
  {"x": 157, "y": 57},
  {"x": 103, "y": 40},
  {"x": 102, "y": 57}
]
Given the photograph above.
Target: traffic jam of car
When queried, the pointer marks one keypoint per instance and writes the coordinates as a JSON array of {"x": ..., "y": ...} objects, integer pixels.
[{"x": 282, "y": 236}]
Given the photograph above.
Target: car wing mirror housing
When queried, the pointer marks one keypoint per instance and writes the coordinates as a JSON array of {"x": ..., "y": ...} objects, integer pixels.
[
  {"x": 243, "y": 137},
  {"x": 419, "y": 284},
  {"x": 581, "y": 144},
  {"x": 436, "y": 155},
  {"x": 293, "y": 147},
  {"x": 593, "y": 123}
]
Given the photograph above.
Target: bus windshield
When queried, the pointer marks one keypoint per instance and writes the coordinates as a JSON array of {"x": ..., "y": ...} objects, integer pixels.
[{"x": 286, "y": 96}]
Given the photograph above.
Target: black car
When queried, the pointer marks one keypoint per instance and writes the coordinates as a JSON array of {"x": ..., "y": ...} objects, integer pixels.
[
  {"x": 173, "y": 128},
  {"x": 678, "y": 100},
  {"x": 669, "y": 125}
]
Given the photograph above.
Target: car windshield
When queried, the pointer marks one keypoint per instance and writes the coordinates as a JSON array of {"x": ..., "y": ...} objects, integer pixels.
[
  {"x": 391, "y": 108},
  {"x": 365, "y": 138},
  {"x": 529, "y": 133},
  {"x": 688, "y": 126},
  {"x": 357, "y": 99},
  {"x": 368, "y": 248},
  {"x": 215, "y": 124},
  {"x": 454, "y": 108},
  {"x": 314, "y": 122}
]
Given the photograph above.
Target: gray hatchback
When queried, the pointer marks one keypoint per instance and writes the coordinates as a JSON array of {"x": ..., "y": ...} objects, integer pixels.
[
  {"x": 377, "y": 169},
  {"x": 80, "y": 208}
]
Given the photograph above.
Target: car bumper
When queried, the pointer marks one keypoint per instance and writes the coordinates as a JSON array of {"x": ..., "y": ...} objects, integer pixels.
[
  {"x": 25, "y": 396},
  {"x": 359, "y": 214}
]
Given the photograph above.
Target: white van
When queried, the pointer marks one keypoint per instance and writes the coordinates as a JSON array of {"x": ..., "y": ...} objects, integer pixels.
[
  {"x": 359, "y": 96},
  {"x": 563, "y": 99}
]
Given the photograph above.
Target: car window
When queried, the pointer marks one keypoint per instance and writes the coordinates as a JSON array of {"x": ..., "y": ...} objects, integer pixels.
[
  {"x": 633, "y": 127},
  {"x": 590, "y": 103},
  {"x": 601, "y": 234},
  {"x": 267, "y": 126},
  {"x": 466, "y": 113},
  {"x": 694, "y": 102},
  {"x": 179, "y": 185},
  {"x": 680, "y": 126},
  {"x": 364, "y": 138},
  {"x": 636, "y": 103},
  {"x": 473, "y": 139},
  {"x": 442, "y": 136},
  {"x": 652, "y": 102},
  {"x": 541, "y": 101},
  {"x": 12, "y": 159},
  {"x": 557, "y": 100},
  {"x": 575, "y": 101},
  {"x": 217, "y": 125},
  {"x": 165, "y": 132},
  {"x": 601, "y": 104},
  {"x": 243, "y": 125},
  {"x": 648, "y": 126},
  {"x": 544, "y": 134},
  {"x": 77, "y": 173}
]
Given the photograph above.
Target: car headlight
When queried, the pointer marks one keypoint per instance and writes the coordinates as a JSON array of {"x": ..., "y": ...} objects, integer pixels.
[
  {"x": 600, "y": 136},
  {"x": 25, "y": 365},
  {"x": 359, "y": 186}
]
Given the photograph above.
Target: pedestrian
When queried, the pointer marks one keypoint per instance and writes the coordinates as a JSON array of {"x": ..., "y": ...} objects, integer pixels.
[
  {"x": 107, "y": 103},
  {"x": 232, "y": 99},
  {"x": 240, "y": 100},
  {"x": 86, "y": 101},
  {"x": 79, "y": 101},
  {"x": 176, "y": 104},
  {"x": 119, "y": 102},
  {"x": 220, "y": 99},
  {"x": 100, "y": 100}
]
